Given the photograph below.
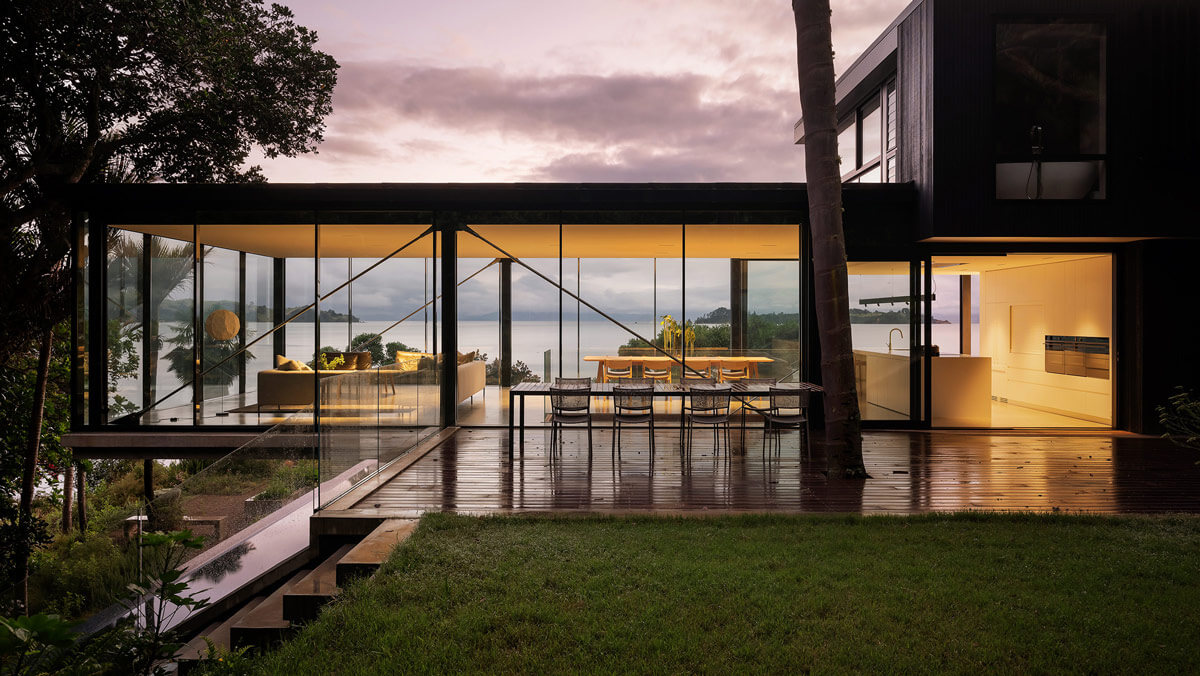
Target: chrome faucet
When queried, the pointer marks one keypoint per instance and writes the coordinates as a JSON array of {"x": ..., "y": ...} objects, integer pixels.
[{"x": 890, "y": 338}]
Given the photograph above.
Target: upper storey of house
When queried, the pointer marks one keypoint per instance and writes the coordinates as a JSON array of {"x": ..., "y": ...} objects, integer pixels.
[{"x": 1022, "y": 119}]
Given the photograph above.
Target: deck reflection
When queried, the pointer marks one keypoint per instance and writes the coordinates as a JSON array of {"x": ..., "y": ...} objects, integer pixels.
[{"x": 911, "y": 473}]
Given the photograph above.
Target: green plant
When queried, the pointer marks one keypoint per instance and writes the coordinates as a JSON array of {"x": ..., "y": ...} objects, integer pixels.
[
  {"x": 79, "y": 573},
  {"x": 142, "y": 641},
  {"x": 1180, "y": 416},
  {"x": 331, "y": 364},
  {"x": 221, "y": 662},
  {"x": 38, "y": 644}
]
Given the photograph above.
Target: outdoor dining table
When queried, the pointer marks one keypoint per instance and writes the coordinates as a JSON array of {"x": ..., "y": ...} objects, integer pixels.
[
  {"x": 659, "y": 361},
  {"x": 518, "y": 393}
]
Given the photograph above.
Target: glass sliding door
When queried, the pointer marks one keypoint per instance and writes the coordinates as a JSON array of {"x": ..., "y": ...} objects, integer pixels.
[
  {"x": 378, "y": 372},
  {"x": 125, "y": 268},
  {"x": 882, "y": 322},
  {"x": 524, "y": 342},
  {"x": 631, "y": 274}
]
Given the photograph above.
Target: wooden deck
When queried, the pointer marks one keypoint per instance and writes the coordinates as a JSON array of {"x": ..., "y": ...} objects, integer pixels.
[{"x": 912, "y": 472}]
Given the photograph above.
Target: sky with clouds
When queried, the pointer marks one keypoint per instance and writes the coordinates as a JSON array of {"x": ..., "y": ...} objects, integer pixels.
[
  {"x": 565, "y": 91},
  {"x": 581, "y": 90}
]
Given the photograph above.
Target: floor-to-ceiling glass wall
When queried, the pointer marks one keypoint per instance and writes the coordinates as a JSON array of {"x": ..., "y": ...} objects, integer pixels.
[
  {"x": 882, "y": 325},
  {"x": 622, "y": 302},
  {"x": 377, "y": 306}
]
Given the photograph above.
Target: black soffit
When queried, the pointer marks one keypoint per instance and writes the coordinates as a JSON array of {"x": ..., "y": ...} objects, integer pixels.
[{"x": 460, "y": 197}]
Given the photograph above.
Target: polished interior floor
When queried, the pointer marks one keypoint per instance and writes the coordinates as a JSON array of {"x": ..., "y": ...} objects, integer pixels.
[{"x": 911, "y": 472}]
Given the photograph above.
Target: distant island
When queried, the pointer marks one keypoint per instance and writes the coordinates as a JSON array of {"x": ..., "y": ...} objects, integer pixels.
[
  {"x": 180, "y": 310},
  {"x": 860, "y": 316}
]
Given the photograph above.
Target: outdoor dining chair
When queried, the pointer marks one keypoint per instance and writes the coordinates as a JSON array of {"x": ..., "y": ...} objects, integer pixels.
[
  {"x": 788, "y": 410},
  {"x": 572, "y": 382},
  {"x": 569, "y": 406},
  {"x": 756, "y": 403},
  {"x": 632, "y": 406},
  {"x": 709, "y": 407}
]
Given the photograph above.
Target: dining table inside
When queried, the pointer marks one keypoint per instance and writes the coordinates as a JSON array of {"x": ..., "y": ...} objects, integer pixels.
[
  {"x": 657, "y": 361},
  {"x": 517, "y": 394}
]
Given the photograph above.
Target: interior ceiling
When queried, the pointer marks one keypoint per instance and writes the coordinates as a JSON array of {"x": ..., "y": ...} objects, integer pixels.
[
  {"x": 965, "y": 265},
  {"x": 521, "y": 241}
]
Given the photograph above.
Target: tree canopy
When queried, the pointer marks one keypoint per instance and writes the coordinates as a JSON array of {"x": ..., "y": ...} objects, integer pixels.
[{"x": 140, "y": 90}]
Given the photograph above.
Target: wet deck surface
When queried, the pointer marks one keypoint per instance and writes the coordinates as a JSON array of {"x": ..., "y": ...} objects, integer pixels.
[{"x": 911, "y": 472}]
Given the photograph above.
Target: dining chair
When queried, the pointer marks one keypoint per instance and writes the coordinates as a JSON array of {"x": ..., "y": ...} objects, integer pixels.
[
  {"x": 696, "y": 369},
  {"x": 569, "y": 406},
  {"x": 616, "y": 369},
  {"x": 709, "y": 406},
  {"x": 788, "y": 410},
  {"x": 732, "y": 369},
  {"x": 573, "y": 382},
  {"x": 632, "y": 405},
  {"x": 757, "y": 403},
  {"x": 662, "y": 373}
]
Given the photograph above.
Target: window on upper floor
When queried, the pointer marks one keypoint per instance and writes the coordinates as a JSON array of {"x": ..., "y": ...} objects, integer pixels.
[
  {"x": 848, "y": 144},
  {"x": 867, "y": 139},
  {"x": 1050, "y": 126}
]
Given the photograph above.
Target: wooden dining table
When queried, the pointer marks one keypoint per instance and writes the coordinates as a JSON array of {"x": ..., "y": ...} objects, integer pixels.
[
  {"x": 659, "y": 361},
  {"x": 518, "y": 393}
]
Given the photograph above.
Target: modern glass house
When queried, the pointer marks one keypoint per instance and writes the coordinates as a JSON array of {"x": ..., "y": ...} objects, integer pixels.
[
  {"x": 1013, "y": 217},
  {"x": 414, "y": 307}
]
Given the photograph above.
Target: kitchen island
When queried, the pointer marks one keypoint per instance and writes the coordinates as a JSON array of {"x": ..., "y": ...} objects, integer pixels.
[{"x": 962, "y": 387}]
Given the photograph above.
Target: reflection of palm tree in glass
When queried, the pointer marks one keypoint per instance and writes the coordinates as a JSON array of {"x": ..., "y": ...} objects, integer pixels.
[{"x": 171, "y": 270}]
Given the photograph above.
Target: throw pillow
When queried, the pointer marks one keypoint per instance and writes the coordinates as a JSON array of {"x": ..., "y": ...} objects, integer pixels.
[
  {"x": 284, "y": 364},
  {"x": 408, "y": 361}
]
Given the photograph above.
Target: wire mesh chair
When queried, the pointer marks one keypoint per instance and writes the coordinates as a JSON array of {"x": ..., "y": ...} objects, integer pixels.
[
  {"x": 569, "y": 406},
  {"x": 572, "y": 382},
  {"x": 632, "y": 406},
  {"x": 756, "y": 402},
  {"x": 788, "y": 410},
  {"x": 709, "y": 407}
]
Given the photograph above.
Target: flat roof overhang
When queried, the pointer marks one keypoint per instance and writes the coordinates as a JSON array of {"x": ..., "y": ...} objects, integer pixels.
[{"x": 523, "y": 202}]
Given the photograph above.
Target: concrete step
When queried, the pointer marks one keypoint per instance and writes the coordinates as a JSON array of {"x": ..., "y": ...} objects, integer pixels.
[
  {"x": 218, "y": 633},
  {"x": 304, "y": 600},
  {"x": 264, "y": 625},
  {"x": 366, "y": 557}
]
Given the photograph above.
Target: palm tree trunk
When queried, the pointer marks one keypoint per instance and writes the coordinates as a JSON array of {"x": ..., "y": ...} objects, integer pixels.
[
  {"x": 814, "y": 56},
  {"x": 33, "y": 445}
]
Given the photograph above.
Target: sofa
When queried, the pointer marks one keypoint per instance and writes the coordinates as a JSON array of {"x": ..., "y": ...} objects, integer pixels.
[{"x": 283, "y": 389}]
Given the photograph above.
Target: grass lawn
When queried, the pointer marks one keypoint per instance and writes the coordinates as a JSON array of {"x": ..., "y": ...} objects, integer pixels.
[{"x": 959, "y": 593}]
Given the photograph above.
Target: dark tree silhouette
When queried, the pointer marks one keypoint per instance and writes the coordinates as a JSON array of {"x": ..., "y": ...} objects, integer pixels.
[
  {"x": 133, "y": 90},
  {"x": 814, "y": 56}
]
